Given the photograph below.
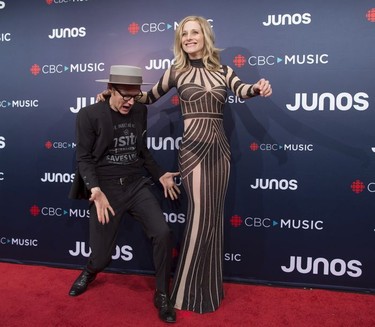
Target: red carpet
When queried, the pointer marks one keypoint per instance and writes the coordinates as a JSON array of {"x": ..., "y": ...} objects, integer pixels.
[{"x": 38, "y": 296}]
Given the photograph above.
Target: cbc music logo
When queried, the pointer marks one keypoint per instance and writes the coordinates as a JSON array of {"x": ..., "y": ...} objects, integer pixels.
[
  {"x": 265, "y": 222},
  {"x": 2, "y": 174},
  {"x": 154, "y": 27},
  {"x": 370, "y": 15},
  {"x": 124, "y": 252},
  {"x": 359, "y": 186},
  {"x": 271, "y": 60},
  {"x": 36, "y": 69},
  {"x": 235, "y": 257},
  {"x": 2, "y": 4},
  {"x": 28, "y": 103},
  {"x": 5, "y": 37},
  {"x": 327, "y": 101},
  {"x": 13, "y": 241},
  {"x": 281, "y": 147},
  {"x": 50, "y": 2},
  {"x": 134, "y": 27},
  {"x": 57, "y": 177},
  {"x": 36, "y": 210},
  {"x": 288, "y": 19},
  {"x": 60, "y": 145},
  {"x": 322, "y": 266}
]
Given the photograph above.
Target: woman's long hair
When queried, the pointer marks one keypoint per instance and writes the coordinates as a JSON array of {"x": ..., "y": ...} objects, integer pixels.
[{"x": 211, "y": 54}]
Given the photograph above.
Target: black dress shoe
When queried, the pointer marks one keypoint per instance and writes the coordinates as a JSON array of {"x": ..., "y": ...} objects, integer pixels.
[
  {"x": 163, "y": 304},
  {"x": 81, "y": 283}
]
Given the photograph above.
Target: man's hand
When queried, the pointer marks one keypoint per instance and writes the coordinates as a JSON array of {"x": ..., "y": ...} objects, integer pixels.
[
  {"x": 170, "y": 187},
  {"x": 262, "y": 87},
  {"x": 102, "y": 205}
]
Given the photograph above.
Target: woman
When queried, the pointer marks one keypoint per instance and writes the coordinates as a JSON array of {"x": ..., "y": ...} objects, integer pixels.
[{"x": 204, "y": 158}]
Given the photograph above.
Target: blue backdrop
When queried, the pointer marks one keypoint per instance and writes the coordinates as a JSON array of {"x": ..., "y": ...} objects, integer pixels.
[{"x": 300, "y": 207}]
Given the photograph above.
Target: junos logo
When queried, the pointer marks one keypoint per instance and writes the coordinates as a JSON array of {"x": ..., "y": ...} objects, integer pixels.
[
  {"x": 174, "y": 217},
  {"x": 287, "y": 19},
  {"x": 63, "y": 33},
  {"x": 336, "y": 267},
  {"x": 124, "y": 252},
  {"x": 2, "y": 142},
  {"x": 81, "y": 103},
  {"x": 57, "y": 178},
  {"x": 343, "y": 101},
  {"x": 275, "y": 184},
  {"x": 158, "y": 64},
  {"x": 168, "y": 143}
]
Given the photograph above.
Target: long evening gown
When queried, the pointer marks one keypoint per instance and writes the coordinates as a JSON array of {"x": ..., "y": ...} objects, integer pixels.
[{"x": 204, "y": 163}]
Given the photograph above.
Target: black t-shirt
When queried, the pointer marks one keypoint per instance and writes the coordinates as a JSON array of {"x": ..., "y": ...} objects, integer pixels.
[{"x": 122, "y": 158}]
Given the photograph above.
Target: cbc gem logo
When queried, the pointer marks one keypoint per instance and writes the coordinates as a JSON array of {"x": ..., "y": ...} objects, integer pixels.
[
  {"x": 50, "y": 2},
  {"x": 370, "y": 15},
  {"x": 59, "y": 145},
  {"x": 134, "y": 28},
  {"x": 359, "y": 186},
  {"x": 239, "y": 61},
  {"x": 87, "y": 67}
]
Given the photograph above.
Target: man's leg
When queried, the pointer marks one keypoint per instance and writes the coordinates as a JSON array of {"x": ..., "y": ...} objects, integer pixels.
[
  {"x": 102, "y": 243},
  {"x": 145, "y": 208}
]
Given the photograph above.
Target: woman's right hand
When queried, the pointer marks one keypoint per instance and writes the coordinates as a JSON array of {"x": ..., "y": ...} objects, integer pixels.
[{"x": 103, "y": 95}]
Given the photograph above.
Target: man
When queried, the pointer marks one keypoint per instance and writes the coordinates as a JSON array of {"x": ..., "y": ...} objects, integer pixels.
[{"x": 112, "y": 157}]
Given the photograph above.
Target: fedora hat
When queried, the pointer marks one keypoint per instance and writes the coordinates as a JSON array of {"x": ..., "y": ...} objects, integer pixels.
[{"x": 122, "y": 74}]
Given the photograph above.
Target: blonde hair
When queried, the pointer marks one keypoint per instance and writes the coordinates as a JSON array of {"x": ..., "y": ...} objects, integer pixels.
[{"x": 211, "y": 54}]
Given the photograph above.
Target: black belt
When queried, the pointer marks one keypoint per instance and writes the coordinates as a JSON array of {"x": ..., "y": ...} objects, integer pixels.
[{"x": 128, "y": 179}]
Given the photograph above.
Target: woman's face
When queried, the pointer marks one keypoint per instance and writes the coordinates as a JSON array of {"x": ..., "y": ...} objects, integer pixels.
[{"x": 192, "y": 40}]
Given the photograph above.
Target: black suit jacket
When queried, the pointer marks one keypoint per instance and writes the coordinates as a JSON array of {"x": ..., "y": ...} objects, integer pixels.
[{"x": 94, "y": 135}]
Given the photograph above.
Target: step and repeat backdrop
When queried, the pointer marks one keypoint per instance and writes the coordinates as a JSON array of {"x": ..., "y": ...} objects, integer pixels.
[{"x": 300, "y": 209}]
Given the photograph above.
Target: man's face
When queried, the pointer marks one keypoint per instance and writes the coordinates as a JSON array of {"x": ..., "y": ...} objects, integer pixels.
[{"x": 122, "y": 97}]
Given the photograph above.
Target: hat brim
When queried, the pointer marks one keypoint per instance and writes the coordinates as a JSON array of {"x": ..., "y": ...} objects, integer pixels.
[{"x": 108, "y": 81}]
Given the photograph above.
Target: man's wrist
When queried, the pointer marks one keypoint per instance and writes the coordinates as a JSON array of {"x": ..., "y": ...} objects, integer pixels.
[{"x": 95, "y": 189}]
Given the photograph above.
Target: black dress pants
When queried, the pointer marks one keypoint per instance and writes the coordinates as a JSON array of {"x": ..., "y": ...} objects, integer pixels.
[{"x": 136, "y": 199}]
